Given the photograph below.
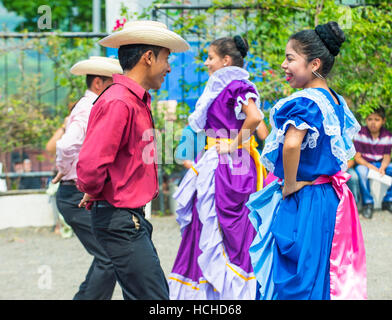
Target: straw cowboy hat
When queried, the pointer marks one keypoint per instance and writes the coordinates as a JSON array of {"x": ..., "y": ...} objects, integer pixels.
[
  {"x": 100, "y": 66},
  {"x": 146, "y": 32}
]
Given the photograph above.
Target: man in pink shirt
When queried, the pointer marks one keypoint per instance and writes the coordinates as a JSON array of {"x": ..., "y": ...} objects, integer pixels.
[
  {"x": 100, "y": 279},
  {"x": 116, "y": 167}
]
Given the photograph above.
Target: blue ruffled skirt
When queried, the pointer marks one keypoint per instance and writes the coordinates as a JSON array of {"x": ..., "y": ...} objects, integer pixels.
[{"x": 291, "y": 251}]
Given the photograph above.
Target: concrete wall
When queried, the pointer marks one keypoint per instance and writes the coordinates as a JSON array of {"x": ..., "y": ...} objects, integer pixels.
[{"x": 18, "y": 211}]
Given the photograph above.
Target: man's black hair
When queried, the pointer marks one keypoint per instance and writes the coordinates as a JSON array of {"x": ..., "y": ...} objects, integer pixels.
[
  {"x": 91, "y": 77},
  {"x": 130, "y": 54}
]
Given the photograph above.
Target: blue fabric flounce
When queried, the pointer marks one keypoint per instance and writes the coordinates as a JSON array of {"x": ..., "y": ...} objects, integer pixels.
[{"x": 263, "y": 206}]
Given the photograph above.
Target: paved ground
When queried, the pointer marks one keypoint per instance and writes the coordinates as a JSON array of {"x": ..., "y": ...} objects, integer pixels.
[{"x": 37, "y": 264}]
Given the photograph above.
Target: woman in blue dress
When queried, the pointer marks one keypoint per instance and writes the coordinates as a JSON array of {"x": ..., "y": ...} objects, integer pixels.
[{"x": 309, "y": 242}]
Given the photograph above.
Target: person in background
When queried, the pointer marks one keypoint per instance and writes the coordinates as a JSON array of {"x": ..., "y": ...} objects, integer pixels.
[
  {"x": 60, "y": 227},
  {"x": 51, "y": 144},
  {"x": 100, "y": 279},
  {"x": 29, "y": 182},
  {"x": 17, "y": 167},
  {"x": 373, "y": 144},
  {"x": 353, "y": 182}
]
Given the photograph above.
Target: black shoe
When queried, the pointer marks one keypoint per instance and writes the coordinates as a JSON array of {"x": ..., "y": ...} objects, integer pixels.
[
  {"x": 387, "y": 206},
  {"x": 367, "y": 210}
]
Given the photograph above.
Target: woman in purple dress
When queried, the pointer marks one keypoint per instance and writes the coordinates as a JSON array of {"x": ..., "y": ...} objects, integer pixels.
[{"x": 213, "y": 259}]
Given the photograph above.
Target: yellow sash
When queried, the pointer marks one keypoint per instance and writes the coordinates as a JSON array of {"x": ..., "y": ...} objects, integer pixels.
[{"x": 250, "y": 146}]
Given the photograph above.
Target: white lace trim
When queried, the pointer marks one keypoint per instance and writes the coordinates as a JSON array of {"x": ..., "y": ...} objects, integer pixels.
[
  {"x": 311, "y": 139},
  {"x": 238, "y": 108},
  {"x": 341, "y": 146}
]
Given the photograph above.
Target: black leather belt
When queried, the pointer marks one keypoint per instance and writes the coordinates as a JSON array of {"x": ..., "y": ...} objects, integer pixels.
[
  {"x": 68, "y": 182},
  {"x": 105, "y": 204}
]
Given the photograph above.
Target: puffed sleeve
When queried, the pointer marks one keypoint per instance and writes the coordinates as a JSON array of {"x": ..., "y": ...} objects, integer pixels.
[
  {"x": 302, "y": 113},
  {"x": 241, "y": 91}
]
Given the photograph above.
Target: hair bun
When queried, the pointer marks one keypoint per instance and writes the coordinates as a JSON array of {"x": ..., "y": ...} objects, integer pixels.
[
  {"x": 241, "y": 45},
  {"x": 332, "y": 36}
]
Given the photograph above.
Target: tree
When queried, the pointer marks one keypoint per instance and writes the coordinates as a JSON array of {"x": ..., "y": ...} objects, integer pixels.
[
  {"x": 25, "y": 120},
  {"x": 65, "y": 52}
]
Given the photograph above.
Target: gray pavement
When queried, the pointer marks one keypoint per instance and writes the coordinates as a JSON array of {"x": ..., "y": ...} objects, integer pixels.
[{"x": 37, "y": 264}]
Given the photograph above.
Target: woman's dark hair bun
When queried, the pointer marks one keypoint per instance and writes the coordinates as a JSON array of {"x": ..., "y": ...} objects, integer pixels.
[
  {"x": 331, "y": 35},
  {"x": 242, "y": 45}
]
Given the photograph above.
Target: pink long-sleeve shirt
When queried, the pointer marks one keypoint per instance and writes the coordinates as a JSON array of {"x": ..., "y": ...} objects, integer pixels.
[
  {"x": 68, "y": 147},
  {"x": 117, "y": 162}
]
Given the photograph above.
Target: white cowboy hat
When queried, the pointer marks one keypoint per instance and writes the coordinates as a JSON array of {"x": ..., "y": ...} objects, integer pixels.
[
  {"x": 100, "y": 66},
  {"x": 146, "y": 32}
]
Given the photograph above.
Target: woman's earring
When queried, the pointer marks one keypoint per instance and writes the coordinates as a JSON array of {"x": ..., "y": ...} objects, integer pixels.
[
  {"x": 318, "y": 75},
  {"x": 225, "y": 64}
]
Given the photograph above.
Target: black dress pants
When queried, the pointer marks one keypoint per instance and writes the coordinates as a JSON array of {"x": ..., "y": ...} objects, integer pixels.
[
  {"x": 125, "y": 234},
  {"x": 100, "y": 279}
]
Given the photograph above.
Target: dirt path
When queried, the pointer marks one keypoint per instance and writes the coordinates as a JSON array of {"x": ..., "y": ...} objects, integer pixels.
[{"x": 37, "y": 264}]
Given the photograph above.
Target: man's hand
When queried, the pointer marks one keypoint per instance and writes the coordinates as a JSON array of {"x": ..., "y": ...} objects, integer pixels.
[
  {"x": 58, "y": 177},
  {"x": 84, "y": 201}
]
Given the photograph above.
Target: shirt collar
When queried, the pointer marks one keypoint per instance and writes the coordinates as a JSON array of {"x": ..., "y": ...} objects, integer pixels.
[
  {"x": 132, "y": 85},
  {"x": 90, "y": 94},
  {"x": 381, "y": 134}
]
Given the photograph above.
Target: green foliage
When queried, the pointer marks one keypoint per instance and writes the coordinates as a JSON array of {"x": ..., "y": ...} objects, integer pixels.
[
  {"x": 363, "y": 69},
  {"x": 64, "y": 53},
  {"x": 27, "y": 121},
  {"x": 24, "y": 120}
]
